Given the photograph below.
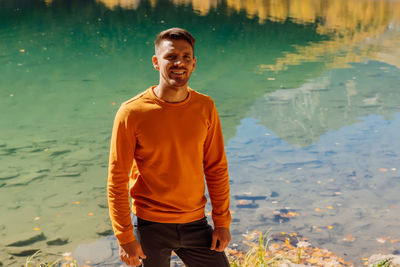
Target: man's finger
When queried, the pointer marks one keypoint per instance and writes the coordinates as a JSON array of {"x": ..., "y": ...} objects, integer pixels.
[
  {"x": 141, "y": 254},
  {"x": 136, "y": 261},
  {"x": 214, "y": 242},
  {"x": 220, "y": 246}
]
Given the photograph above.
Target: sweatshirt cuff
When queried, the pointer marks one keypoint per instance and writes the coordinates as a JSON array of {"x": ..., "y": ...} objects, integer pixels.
[
  {"x": 125, "y": 238},
  {"x": 222, "y": 221}
]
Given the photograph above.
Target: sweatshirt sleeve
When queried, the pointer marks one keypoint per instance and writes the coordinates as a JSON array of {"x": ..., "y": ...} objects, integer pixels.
[
  {"x": 122, "y": 151},
  {"x": 216, "y": 172}
]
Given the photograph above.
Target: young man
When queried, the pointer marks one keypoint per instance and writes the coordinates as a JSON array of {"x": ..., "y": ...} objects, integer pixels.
[{"x": 164, "y": 142}]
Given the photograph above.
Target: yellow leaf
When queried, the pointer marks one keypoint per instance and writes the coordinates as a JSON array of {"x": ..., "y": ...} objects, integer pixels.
[
  {"x": 330, "y": 227},
  {"x": 330, "y": 208},
  {"x": 313, "y": 261},
  {"x": 36, "y": 229},
  {"x": 77, "y": 202},
  {"x": 318, "y": 210},
  {"x": 90, "y": 214}
]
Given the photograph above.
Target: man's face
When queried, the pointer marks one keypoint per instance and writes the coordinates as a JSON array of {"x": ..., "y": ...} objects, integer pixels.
[{"x": 175, "y": 61}]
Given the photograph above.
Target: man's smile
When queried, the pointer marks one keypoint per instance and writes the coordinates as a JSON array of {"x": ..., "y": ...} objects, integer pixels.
[{"x": 179, "y": 72}]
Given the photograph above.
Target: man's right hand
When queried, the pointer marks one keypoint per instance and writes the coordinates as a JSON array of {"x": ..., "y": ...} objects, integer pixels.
[{"x": 131, "y": 253}]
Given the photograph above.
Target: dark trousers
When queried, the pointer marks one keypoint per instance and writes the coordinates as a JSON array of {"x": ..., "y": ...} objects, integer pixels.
[{"x": 190, "y": 241}]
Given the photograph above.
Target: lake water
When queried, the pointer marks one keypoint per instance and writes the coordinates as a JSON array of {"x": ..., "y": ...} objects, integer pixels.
[{"x": 308, "y": 93}]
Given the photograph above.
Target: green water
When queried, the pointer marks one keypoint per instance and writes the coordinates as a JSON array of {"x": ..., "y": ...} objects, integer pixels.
[{"x": 65, "y": 66}]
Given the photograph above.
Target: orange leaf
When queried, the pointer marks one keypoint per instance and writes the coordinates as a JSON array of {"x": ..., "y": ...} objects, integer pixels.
[{"x": 349, "y": 238}]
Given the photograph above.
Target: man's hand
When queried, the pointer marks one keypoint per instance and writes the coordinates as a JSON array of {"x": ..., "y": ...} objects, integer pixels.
[
  {"x": 220, "y": 239},
  {"x": 131, "y": 253}
]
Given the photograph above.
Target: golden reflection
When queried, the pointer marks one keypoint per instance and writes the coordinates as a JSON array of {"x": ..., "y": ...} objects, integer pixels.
[
  {"x": 125, "y": 4},
  {"x": 353, "y": 26},
  {"x": 201, "y": 6}
]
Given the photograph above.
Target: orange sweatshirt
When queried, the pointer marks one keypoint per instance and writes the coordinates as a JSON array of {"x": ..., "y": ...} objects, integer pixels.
[{"x": 160, "y": 153}]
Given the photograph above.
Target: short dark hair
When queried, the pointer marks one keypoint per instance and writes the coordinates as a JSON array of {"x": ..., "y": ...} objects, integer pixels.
[{"x": 175, "y": 34}]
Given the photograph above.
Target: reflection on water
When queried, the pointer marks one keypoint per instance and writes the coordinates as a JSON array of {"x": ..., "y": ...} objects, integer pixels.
[
  {"x": 340, "y": 97},
  {"x": 298, "y": 85}
]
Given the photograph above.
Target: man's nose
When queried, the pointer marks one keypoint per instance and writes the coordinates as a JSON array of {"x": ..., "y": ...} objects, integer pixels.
[{"x": 178, "y": 62}]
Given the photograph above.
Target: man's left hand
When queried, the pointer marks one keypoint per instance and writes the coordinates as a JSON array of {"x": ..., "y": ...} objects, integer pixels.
[{"x": 220, "y": 239}]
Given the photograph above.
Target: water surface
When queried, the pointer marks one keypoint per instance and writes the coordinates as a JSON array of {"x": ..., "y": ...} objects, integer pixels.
[{"x": 307, "y": 91}]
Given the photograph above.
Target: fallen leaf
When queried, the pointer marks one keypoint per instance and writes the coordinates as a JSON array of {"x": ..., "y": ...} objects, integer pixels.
[
  {"x": 271, "y": 79},
  {"x": 383, "y": 239},
  {"x": 112, "y": 103},
  {"x": 313, "y": 261},
  {"x": 383, "y": 169},
  {"x": 393, "y": 207},
  {"x": 394, "y": 240},
  {"x": 318, "y": 210},
  {"x": 36, "y": 218},
  {"x": 330, "y": 208},
  {"x": 330, "y": 227},
  {"x": 36, "y": 229},
  {"x": 275, "y": 246},
  {"x": 77, "y": 202},
  {"x": 22, "y": 50},
  {"x": 393, "y": 169},
  {"x": 303, "y": 244},
  {"x": 349, "y": 238},
  {"x": 365, "y": 259},
  {"x": 90, "y": 214}
]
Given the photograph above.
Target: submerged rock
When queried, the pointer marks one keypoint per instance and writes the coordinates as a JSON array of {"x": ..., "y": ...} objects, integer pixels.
[
  {"x": 26, "y": 179},
  {"x": 274, "y": 194},
  {"x": 7, "y": 176},
  {"x": 57, "y": 242},
  {"x": 249, "y": 197},
  {"x": 27, "y": 239},
  {"x": 59, "y": 152},
  {"x": 22, "y": 252}
]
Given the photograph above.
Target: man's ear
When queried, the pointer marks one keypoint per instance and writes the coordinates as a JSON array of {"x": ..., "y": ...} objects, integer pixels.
[
  {"x": 155, "y": 62},
  {"x": 194, "y": 62}
]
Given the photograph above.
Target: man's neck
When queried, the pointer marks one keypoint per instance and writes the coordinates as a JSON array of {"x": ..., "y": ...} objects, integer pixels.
[{"x": 171, "y": 94}]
